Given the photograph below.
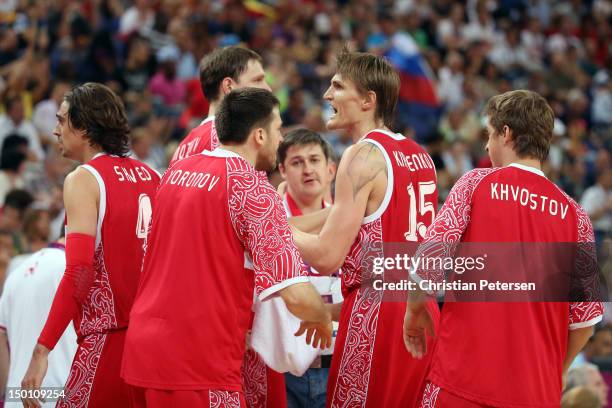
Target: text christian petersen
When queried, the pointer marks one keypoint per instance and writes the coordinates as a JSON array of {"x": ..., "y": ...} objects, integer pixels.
[{"x": 434, "y": 268}]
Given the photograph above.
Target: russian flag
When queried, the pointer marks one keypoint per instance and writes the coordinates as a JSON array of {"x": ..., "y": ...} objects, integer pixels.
[{"x": 419, "y": 106}]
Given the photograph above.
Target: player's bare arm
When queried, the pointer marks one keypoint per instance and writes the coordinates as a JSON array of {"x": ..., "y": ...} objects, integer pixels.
[
  {"x": 81, "y": 199},
  {"x": 576, "y": 340},
  {"x": 334, "y": 310},
  {"x": 303, "y": 301},
  {"x": 310, "y": 223},
  {"x": 360, "y": 186}
]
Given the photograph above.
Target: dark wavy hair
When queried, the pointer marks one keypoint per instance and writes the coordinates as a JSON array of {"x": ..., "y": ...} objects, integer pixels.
[{"x": 98, "y": 111}]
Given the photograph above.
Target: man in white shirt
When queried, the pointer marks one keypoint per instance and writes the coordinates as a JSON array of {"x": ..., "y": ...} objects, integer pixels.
[
  {"x": 24, "y": 305},
  {"x": 597, "y": 202},
  {"x": 13, "y": 121}
]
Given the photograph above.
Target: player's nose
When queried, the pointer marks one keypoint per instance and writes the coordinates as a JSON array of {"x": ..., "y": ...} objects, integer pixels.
[{"x": 327, "y": 95}]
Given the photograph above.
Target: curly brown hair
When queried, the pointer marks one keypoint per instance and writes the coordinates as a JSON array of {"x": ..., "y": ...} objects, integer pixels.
[{"x": 98, "y": 111}]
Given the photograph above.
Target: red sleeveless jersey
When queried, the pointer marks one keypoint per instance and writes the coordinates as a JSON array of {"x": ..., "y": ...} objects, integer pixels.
[
  {"x": 203, "y": 137},
  {"x": 127, "y": 190},
  {"x": 498, "y": 353},
  {"x": 371, "y": 367}
]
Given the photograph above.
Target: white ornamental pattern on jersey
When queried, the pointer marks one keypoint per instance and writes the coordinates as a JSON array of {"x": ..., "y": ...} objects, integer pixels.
[
  {"x": 358, "y": 265},
  {"x": 98, "y": 309},
  {"x": 430, "y": 395},
  {"x": 451, "y": 222},
  {"x": 259, "y": 219},
  {"x": 586, "y": 267},
  {"x": 354, "y": 372},
  {"x": 254, "y": 380},
  {"x": 224, "y": 399},
  {"x": 82, "y": 373}
]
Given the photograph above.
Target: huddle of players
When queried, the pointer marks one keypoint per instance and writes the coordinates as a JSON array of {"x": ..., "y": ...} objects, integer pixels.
[{"x": 216, "y": 232}]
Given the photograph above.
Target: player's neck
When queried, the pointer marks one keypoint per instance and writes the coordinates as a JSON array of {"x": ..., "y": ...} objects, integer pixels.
[
  {"x": 243, "y": 151},
  {"x": 528, "y": 161},
  {"x": 360, "y": 129},
  {"x": 212, "y": 108},
  {"x": 306, "y": 205},
  {"x": 89, "y": 153}
]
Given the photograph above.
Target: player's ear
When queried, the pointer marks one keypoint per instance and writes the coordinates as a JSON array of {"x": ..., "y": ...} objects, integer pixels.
[
  {"x": 507, "y": 135},
  {"x": 227, "y": 84},
  {"x": 331, "y": 169},
  {"x": 281, "y": 170},
  {"x": 260, "y": 136},
  {"x": 369, "y": 101}
]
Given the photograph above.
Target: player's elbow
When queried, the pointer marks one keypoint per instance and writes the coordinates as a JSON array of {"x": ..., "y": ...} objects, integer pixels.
[{"x": 327, "y": 263}]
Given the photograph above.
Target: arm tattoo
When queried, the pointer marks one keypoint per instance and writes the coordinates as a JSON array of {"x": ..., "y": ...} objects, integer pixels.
[{"x": 364, "y": 166}]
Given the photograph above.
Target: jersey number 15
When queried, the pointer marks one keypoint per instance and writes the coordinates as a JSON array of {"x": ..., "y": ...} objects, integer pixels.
[{"x": 425, "y": 188}]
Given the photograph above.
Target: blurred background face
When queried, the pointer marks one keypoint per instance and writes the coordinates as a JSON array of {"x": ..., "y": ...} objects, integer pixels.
[
  {"x": 253, "y": 77},
  {"x": 266, "y": 157},
  {"x": 307, "y": 172},
  {"x": 597, "y": 384}
]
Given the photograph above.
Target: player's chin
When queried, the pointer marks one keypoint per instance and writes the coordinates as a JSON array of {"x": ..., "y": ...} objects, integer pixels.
[{"x": 333, "y": 124}]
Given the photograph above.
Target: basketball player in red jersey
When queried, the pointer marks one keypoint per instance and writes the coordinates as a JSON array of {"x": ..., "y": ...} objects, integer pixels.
[
  {"x": 108, "y": 202},
  {"x": 385, "y": 192},
  {"x": 186, "y": 341},
  {"x": 221, "y": 71},
  {"x": 505, "y": 354}
]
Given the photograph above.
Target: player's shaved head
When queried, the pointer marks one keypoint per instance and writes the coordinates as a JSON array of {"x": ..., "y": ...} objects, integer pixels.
[{"x": 222, "y": 63}]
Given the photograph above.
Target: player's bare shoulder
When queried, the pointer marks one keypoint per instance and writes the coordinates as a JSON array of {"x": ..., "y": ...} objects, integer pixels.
[
  {"x": 363, "y": 163},
  {"x": 80, "y": 182}
]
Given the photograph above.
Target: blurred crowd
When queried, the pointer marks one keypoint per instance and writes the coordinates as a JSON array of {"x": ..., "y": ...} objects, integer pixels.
[{"x": 148, "y": 52}]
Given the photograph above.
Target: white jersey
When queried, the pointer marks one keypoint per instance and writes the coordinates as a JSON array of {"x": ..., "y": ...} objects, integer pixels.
[{"x": 24, "y": 306}]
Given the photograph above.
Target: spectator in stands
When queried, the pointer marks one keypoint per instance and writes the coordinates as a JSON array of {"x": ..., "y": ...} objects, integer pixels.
[
  {"x": 580, "y": 397},
  {"x": 14, "y": 121},
  {"x": 12, "y": 165},
  {"x": 588, "y": 375},
  {"x": 597, "y": 202},
  {"x": 599, "y": 345},
  {"x": 15, "y": 205},
  {"x": 36, "y": 229}
]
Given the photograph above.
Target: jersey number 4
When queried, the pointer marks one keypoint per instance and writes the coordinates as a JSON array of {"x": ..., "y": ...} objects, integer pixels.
[
  {"x": 425, "y": 188},
  {"x": 145, "y": 212}
]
